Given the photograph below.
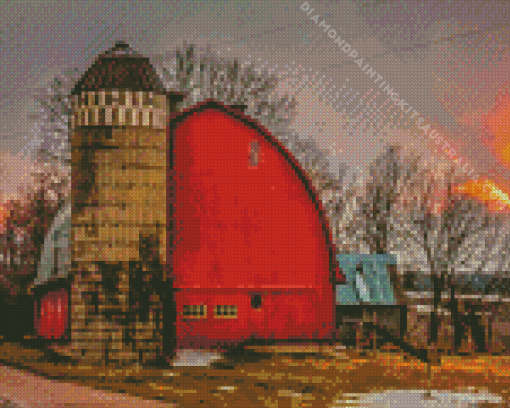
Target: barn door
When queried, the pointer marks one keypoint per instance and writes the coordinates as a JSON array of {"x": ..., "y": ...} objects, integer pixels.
[
  {"x": 259, "y": 304},
  {"x": 52, "y": 319},
  {"x": 169, "y": 322}
]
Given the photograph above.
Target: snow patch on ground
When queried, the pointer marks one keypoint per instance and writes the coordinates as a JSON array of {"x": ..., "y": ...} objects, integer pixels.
[
  {"x": 195, "y": 358},
  {"x": 418, "y": 399}
]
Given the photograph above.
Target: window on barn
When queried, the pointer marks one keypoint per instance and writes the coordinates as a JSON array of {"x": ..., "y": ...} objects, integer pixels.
[
  {"x": 194, "y": 311},
  {"x": 254, "y": 153},
  {"x": 225, "y": 311}
]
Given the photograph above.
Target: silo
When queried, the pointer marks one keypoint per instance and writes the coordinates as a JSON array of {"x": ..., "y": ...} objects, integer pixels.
[{"x": 119, "y": 157}]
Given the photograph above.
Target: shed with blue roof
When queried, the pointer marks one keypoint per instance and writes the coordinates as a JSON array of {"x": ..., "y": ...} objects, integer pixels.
[
  {"x": 368, "y": 298},
  {"x": 367, "y": 280}
]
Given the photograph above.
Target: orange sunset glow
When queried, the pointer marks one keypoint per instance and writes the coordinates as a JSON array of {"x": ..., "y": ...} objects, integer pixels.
[
  {"x": 497, "y": 123},
  {"x": 487, "y": 192},
  {"x": 3, "y": 217}
]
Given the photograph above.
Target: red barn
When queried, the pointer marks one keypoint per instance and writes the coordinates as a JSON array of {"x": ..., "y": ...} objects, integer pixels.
[
  {"x": 251, "y": 253},
  {"x": 247, "y": 245}
]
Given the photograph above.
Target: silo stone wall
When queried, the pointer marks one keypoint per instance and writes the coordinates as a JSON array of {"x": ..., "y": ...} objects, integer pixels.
[{"x": 118, "y": 227}]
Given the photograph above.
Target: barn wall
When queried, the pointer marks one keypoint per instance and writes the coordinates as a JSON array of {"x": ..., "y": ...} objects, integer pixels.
[
  {"x": 283, "y": 314},
  {"x": 243, "y": 224},
  {"x": 239, "y": 225}
]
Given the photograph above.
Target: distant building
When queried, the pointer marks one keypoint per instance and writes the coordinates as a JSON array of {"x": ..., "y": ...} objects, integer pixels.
[{"x": 369, "y": 297}]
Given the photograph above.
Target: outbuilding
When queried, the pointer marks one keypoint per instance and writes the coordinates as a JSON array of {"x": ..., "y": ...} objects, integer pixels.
[{"x": 367, "y": 302}]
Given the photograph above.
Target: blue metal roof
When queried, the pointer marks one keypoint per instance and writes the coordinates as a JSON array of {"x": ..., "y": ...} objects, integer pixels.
[{"x": 372, "y": 285}]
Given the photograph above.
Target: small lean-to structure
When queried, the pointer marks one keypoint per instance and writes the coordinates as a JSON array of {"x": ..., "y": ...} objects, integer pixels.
[
  {"x": 367, "y": 280},
  {"x": 251, "y": 254},
  {"x": 369, "y": 297}
]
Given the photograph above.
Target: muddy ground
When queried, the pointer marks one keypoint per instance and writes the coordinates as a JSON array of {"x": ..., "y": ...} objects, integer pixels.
[{"x": 277, "y": 376}]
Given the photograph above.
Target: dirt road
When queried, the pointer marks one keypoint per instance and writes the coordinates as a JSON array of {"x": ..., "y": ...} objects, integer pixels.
[{"x": 26, "y": 390}]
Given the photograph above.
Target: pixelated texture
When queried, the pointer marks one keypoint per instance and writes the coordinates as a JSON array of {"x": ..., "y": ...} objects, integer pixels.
[{"x": 227, "y": 176}]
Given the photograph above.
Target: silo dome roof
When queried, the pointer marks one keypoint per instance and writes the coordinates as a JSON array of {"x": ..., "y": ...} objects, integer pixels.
[{"x": 120, "y": 68}]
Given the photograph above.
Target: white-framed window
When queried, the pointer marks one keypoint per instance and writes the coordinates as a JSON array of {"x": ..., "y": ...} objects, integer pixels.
[
  {"x": 194, "y": 311},
  {"x": 225, "y": 311}
]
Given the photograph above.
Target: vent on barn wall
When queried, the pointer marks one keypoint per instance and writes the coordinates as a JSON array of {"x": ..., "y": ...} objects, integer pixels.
[{"x": 256, "y": 301}]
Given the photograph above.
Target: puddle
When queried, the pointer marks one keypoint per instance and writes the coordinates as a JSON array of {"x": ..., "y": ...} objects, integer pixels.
[
  {"x": 417, "y": 399},
  {"x": 195, "y": 358}
]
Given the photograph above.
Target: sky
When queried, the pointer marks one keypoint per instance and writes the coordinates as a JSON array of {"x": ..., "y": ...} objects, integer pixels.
[{"x": 447, "y": 59}]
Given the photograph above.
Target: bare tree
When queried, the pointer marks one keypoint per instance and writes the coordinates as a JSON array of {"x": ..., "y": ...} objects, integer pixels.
[
  {"x": 345, "y": 216},
  {"x": 371, "y": 223},
  {"x": 51, "y": 114},
  {"x": 330, "y": 185},
  {"x": 484, "y": 254},
  {"x": 28, "y": 219},
  {"x": 201, "y": 75},
  {"x": 443, "y": 237},
  {"x": 414, "y": 211}
]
